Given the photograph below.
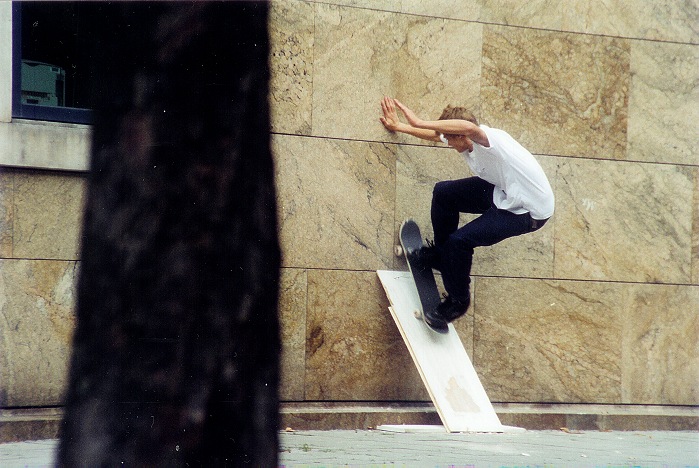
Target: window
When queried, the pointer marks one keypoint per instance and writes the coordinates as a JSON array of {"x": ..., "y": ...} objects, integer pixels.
[{"x": 50, "y": 63}]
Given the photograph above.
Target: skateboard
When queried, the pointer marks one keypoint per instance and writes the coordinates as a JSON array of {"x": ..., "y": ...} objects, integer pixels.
[{"x": 411, "y": 241}]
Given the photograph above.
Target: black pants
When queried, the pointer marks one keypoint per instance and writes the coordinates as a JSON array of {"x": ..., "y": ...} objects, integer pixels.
[{"x": 473, "y": 195}]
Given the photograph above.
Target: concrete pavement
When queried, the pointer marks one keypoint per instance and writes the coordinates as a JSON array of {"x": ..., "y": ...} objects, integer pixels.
[
  {"x": 439, "y": 449},
  {"x": 530, "y": 448}
]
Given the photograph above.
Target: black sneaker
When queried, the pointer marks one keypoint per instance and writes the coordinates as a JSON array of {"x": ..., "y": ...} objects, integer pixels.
[
  {"x": 451, "y": 309},
  {"x": 435, "y": 320},
  {"x": 427, "y": 256}
]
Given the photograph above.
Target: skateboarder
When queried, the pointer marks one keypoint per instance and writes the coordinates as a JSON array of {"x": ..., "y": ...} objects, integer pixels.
[{"x": 510, "y": 192}]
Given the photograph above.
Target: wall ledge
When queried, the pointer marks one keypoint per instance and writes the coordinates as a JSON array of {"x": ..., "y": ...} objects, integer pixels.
[
  {"x": 23, "y": 424},
  {"x": 45, "y": 145}
]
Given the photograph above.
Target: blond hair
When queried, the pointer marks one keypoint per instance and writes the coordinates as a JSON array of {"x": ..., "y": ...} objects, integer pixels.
[{"x": 460, "y": 113}]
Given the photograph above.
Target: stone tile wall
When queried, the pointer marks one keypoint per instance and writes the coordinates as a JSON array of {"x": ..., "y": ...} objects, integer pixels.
[
  {"x": 600, "y": 306},
  {"x": 40, "y": 220}
]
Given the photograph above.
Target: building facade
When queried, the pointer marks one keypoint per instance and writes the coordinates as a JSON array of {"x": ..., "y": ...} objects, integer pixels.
[{"x": 599, "y": 307}]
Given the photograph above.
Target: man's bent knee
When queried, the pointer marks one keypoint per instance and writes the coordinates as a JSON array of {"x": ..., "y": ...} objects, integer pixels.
[
  {"x": 457, "y": 243},
  {"x": 440, "y": 190}
]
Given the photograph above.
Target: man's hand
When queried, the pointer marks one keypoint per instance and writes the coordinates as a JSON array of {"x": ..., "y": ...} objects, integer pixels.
[
  {"x": 410, "y": 116},
  {"x": 392, "y": 123},
  {"x": 390, "y": 116}
]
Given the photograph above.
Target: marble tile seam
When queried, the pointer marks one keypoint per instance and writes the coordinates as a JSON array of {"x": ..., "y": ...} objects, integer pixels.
[
  {"x": 595, "y": 408},
  {"x": 338, "y": 407},
  {"x": 302, "y": 408},
  {"x": 506, "y": 25},
  {"x": 548, "y": 155},
  {"x": 43, "y": 170},
  {"x": 581, "y": 33},
  {"x": 35, "y": 259},
  {"x": 532, "y": 278},
  {"x": 22, "y": 414},
  {"x": 329, "y": 407},
  {"x": 417, "y": 145},
  {"x": 583, "y": 280},
  {"x": 350, "y": 270},
  {"x": 86, "y": 171},
  {"x": 363, "y": 140}
]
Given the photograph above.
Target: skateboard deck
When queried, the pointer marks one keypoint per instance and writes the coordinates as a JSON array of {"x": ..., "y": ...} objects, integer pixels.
[
  {"x": 411, "y": 241},
  {"x": 442, "y": 361}
]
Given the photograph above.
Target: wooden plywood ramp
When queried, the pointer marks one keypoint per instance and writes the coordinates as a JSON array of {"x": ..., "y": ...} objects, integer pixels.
[{"x": 442, "y": 362}]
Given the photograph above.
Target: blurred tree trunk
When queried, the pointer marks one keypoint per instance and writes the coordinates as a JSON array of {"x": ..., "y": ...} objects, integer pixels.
[{"x": 175, "y": 358}]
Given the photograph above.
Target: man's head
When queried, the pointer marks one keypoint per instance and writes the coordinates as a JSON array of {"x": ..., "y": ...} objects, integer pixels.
[
  {"x": 460, "y": 113},
  {"x": 458, "y": 142}
]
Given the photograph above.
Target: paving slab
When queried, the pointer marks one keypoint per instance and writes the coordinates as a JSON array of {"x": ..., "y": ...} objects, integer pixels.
[
  {"x": 530, "y": 448},
  {"x": 391, "y": 449}
]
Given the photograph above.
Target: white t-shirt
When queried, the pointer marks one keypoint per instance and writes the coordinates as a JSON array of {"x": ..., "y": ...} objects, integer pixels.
[{"x": 520, "y": 183}]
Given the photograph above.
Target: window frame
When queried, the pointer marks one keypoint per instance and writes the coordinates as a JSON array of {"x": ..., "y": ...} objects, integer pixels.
[{"x": 36, "y": 111}]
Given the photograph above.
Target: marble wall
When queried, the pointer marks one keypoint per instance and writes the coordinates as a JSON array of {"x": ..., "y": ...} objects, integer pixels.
[
  {"x": 600, "y": 306},
  {"x": 40, "y": 219}
]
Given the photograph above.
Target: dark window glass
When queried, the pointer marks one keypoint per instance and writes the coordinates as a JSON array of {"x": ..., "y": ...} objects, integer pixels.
[{"x": 50, "y": 63}]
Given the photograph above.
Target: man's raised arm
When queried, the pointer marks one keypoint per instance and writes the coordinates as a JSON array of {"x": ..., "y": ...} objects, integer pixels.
[
  {"x": 446, "y": 127},
  {"x": 392, "y": 123}
]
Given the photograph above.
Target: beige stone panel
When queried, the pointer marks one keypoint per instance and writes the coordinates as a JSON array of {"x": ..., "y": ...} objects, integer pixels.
[
  {"x": 664, "y": 103},
  {"x": 657, "y": 20},
  {"x": 695, "y": 230},
  {"x": 292, "y": 316},
  {"x": 352, "y": 67},
  {"x": 623, "y": 221},
  {"x": 291, "y": 66},
  {"x": 529, "y": 255},
  {"x": 680, "y": 21},
  {"x": 469, "y": 10},
  {"x": 353, "y": 348},
  {"x": 362, "y": 55},
  {"x": 643, "y": 19},
  {"x": 6, "y": 213},
  {"x": 36, "y": 313},
  {"x": 48, "y": 212},
  {"x": 540, "y": 14},
  {"x": 439, "y": 65},
  {"x": 553, "y": 341},
  {"x": 336, "y": 202},
  {"x": 557, "y": 93},
  {"x": 382, "y": 5},
  {"x": 661, "y": 345}
]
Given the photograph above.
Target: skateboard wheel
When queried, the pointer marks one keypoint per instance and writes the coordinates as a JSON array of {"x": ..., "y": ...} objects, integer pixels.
[
  {"x": 417, "y": 314},
  {"x": 398, "y": 251}
]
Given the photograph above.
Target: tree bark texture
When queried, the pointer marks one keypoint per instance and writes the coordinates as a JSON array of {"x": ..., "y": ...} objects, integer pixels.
[{"x": 175, "y": 357}]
